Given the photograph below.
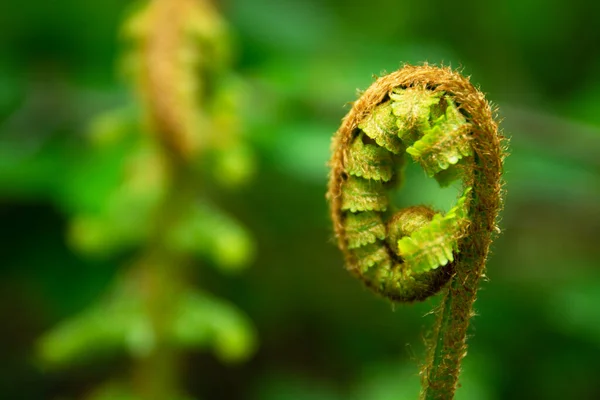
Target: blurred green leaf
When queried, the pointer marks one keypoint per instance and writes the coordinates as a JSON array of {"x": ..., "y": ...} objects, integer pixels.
[
  {"x": 205, "y": 321},
  {"x": 122, "y": 321},
  {"x": 116, "y": 322},
  {"x": 123, "y": 216},
  {"x": 209, "y": 232}
]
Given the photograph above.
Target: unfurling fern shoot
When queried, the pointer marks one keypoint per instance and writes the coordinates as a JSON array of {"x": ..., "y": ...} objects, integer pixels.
[{"x": 440, "y": 120}]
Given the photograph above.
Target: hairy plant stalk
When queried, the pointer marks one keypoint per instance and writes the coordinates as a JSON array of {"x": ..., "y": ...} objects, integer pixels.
[{"x": 445, "y": 124}]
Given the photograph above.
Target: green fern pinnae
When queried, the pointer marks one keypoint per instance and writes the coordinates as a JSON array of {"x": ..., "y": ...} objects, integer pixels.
[
  {"x": 446, "y": 126},
  {"x": 364, "y": 228},
  {"x": 444, "y": 144},
  {"x": 364, "y": 195},
  {"x": 381, "y": 126},
  {"x": 429, "y": 127},
  {"x": 434, "y": 244},
  {"x": 372, "y": 256},
  {"x": 369, "y": 161},
  {"x": 413, "y": 110}
]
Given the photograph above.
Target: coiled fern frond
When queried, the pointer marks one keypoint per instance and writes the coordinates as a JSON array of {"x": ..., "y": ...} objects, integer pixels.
[{"x": 440, "y": 120}]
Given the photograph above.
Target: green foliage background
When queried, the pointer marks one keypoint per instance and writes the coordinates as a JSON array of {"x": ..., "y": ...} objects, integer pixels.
[{"x": 322, "y": 336}]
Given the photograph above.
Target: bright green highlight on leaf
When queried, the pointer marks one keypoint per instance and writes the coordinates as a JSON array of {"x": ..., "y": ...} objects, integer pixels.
[
  {"x": 444, "y": 144},
  {"x": 433, "y": 245}
]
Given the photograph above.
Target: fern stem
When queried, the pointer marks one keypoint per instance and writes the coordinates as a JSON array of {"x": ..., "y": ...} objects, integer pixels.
[
  {"x": 163, "y": 275},
  {"x": 436, "y": 371}
]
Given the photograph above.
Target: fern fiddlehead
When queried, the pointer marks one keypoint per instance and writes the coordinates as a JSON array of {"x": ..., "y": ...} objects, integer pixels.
[{"x": 438, "y": 118}]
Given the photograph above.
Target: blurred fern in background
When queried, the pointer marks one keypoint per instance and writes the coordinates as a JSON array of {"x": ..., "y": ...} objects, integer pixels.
[{"x": 146, "y": 204}]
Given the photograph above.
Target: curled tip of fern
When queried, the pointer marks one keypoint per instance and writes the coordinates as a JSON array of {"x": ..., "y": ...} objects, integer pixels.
[{"x": 439, "y": 119}]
